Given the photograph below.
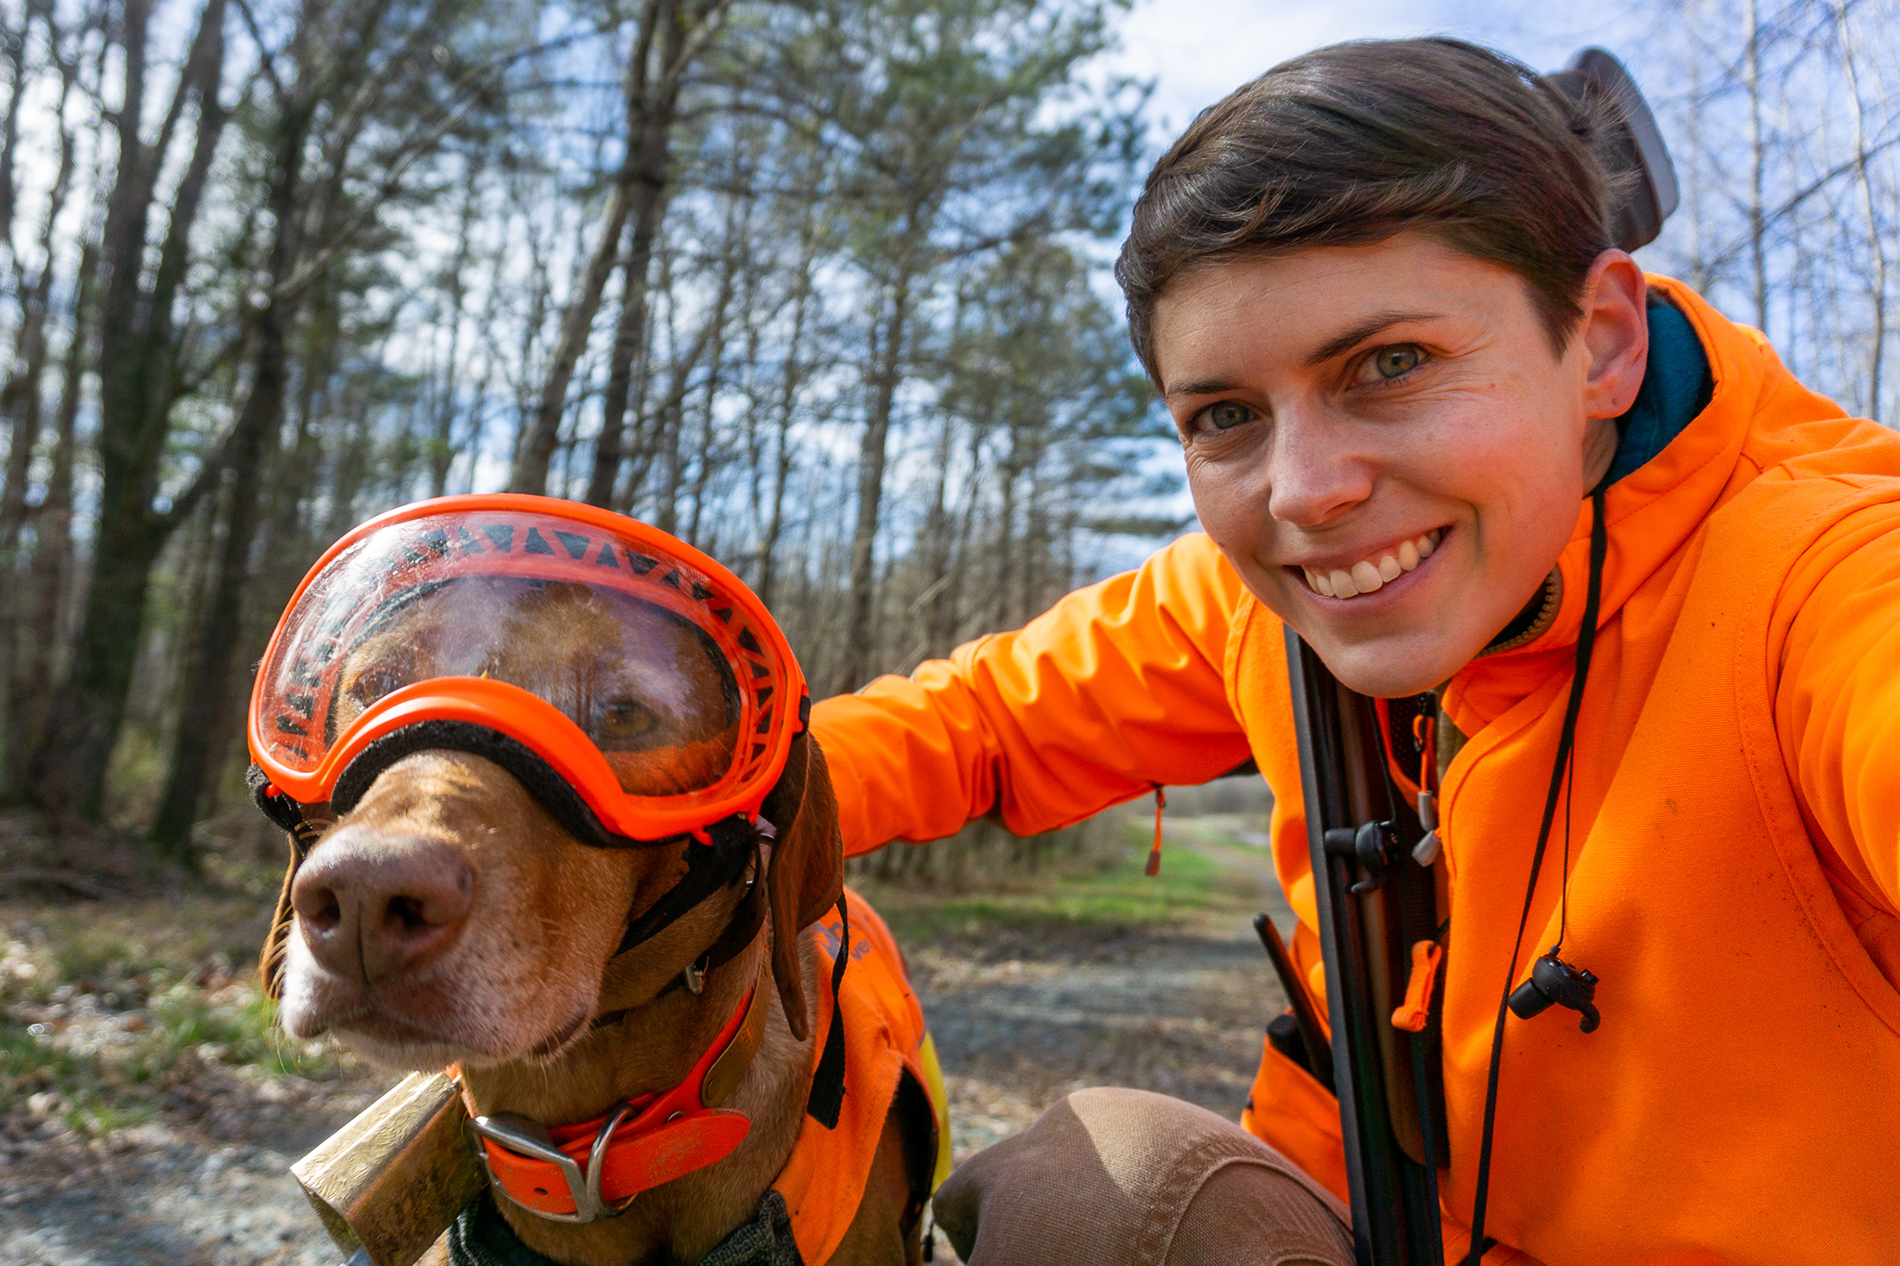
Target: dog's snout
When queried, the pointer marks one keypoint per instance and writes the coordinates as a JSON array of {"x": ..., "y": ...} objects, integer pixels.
[{"x": 377, "y": 905}]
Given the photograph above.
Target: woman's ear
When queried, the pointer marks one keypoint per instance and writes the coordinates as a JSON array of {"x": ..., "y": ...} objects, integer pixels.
[
  {"x": 807, "y": 871},
  {"x": 1615, "y": 334}
]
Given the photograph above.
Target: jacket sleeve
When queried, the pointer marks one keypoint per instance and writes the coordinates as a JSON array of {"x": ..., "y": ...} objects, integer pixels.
[
  {"x": 1114, "y": 690},
  {"x": 1837, "y": 704}
]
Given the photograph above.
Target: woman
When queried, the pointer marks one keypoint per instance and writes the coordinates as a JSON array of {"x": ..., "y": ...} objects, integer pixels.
[{"x": 1410, "y": 374}]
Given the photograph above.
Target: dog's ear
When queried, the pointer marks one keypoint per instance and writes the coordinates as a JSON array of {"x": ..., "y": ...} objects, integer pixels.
[
  {"x": 270, "y": 963},
  {"x": 807, "y": 871},
  {"x": 301, "y": 836}
]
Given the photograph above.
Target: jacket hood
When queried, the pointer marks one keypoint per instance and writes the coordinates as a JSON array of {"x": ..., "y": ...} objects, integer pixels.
[{"x": 1656, "y": 512}]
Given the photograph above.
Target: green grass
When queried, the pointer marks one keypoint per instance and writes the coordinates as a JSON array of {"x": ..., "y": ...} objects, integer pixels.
[
  {"x": 170, "y": 978},
  {"x": 1116, "y": 899}
]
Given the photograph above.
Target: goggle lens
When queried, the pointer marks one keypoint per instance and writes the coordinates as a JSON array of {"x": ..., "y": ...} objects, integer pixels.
[{"x": 661, "y": 670}]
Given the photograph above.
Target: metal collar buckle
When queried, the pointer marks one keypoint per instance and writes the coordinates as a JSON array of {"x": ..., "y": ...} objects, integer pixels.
[{"x": 531, "y": 1138}]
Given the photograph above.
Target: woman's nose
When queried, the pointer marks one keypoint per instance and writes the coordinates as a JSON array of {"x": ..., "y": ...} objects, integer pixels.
[{"x": 1316, "y": 470}]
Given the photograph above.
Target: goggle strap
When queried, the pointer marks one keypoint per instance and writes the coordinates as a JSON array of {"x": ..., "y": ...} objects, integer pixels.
[
  {"x": 275, "y": 805},
  {"x": 707, "y": 871},
  {"x": 740, "y": 932},
  {"x": 553, "y": 792}
]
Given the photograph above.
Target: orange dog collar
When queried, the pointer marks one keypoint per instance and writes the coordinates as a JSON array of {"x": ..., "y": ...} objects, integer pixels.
[{"x": 576, "y": 1173}]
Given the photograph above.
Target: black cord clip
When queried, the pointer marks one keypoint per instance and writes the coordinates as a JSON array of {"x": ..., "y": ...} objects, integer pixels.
[
  {"x": 1373, "y": 845},
  {"x": 1553, "y": 981}
]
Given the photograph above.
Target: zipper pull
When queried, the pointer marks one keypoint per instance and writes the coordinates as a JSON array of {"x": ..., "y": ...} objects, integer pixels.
[{"x": 1154, "y": 857}]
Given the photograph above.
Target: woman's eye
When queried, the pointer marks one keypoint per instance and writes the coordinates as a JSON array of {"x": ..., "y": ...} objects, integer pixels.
[
  {"x": 1397, "y": 360},
  {"x": 1224, "y": 416}
]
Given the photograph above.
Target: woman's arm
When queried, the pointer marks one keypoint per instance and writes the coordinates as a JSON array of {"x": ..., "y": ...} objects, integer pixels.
[
  {"x": 1116, "y": 688},
  {"x": 1837, "y": 703}
]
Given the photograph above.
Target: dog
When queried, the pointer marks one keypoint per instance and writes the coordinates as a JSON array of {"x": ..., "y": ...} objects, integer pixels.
[{"x": 449, "y": 919}]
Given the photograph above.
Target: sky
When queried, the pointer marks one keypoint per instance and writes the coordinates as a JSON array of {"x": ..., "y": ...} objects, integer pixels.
[{"x": 1196, "y": 51}]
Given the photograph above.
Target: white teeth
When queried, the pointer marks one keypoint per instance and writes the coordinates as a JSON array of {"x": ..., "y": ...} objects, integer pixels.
[{"x": 1368, "y": 575}]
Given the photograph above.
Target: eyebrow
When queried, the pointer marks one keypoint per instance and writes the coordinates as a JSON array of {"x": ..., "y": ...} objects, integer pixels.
[
  {"x": 1348, "y": 339},
  {"x": 1201, "y": 387},
  {"x": 1345, "y": 341}
]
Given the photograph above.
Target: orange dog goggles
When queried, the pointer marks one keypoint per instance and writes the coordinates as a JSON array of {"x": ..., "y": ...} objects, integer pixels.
[{"x": 637, "y": 688}]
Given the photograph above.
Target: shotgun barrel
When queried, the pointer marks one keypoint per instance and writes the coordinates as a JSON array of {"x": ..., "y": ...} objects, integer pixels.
[{"x": 1375, "y": 900}]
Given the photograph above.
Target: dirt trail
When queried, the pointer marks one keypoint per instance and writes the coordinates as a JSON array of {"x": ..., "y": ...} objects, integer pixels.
[{"x": 1021, "y": 1018}]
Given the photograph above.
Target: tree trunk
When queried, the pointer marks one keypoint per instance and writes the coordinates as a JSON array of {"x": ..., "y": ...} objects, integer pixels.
[
  {"x": 1757, "y": 221},
  {"x": 537, "y": 448},
  {"x": 138, "y": 363},
  {"x": 206, "y": 697},
  {"x": 442, "y": 447},
  {"x": 792, "y": 378},
  {"x": 1876, "y": 242},
  {"x": 10, "y": 129},
  {"x": 53, "y": 573},
  {"x": 631, "y": 330},
  {"x": 856, "y": 669}
]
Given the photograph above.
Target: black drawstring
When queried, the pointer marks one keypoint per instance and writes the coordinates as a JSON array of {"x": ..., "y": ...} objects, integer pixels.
[{"x": 1586, "y": 643}]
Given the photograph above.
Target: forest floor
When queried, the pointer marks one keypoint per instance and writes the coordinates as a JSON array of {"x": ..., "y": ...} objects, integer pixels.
[{"x": 149, "y": 1110}]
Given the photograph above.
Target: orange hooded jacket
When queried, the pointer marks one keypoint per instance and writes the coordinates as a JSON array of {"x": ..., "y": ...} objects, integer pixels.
[{"x": 1735, "y": 878}]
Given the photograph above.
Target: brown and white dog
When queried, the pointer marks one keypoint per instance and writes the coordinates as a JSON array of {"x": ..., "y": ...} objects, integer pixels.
[{"x": 449, "y": 919}]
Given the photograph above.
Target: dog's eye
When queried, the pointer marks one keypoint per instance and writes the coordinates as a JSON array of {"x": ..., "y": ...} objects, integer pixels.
[
  {"x": 624, "y": 719},
  {"x": 376, "y": 681}
]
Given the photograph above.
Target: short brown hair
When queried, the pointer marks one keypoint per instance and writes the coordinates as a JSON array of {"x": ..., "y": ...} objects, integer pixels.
[{"x": 1355, "y": 142}]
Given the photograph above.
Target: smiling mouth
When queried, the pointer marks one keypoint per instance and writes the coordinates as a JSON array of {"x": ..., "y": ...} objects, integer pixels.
[{"x": 1373, "y": 573}]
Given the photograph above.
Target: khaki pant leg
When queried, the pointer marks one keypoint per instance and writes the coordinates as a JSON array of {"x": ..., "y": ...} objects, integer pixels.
[{"x": 1125, "y": 1176}]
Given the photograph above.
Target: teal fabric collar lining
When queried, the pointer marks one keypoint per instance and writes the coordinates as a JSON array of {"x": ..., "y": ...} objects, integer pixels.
[{"x": 1677, "y": 386}]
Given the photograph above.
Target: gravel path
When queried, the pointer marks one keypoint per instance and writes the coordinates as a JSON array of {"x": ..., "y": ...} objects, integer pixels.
[
  {"x": 1021, "y": 1018},
  {"x": 1019, "y": 1025}
]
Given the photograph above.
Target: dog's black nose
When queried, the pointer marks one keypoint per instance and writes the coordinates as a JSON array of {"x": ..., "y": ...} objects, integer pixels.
[{"x": 375, "y": 906}]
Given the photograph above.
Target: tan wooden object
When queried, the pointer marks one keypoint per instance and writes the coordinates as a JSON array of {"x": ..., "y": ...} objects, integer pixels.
[{"x": 390, "y": 1182}]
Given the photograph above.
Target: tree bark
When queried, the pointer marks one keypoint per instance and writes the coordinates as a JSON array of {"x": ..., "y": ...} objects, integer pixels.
[
  {"x": 208, "y": 681},
  {"x": 633, "y": 185},
  {"x": 631, "y": 330},
  {"x": 859, "y": 632},
  {"x": 1876, "y": 243},
  {"x": 10, "y": 129},
  {"x": 138, "y": 371},
  {"x": 790, "y": 381},
  {"x": 1757, "y": 219}
]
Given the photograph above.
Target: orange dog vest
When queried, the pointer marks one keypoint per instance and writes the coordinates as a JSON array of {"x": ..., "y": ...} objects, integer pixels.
[{"x": 823, "y": 1182}]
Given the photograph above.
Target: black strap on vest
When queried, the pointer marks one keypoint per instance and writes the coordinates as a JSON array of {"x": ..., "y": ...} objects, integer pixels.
[
  {"x": 827, "y": 1084},
  {"x": 481, "y": 1236}
]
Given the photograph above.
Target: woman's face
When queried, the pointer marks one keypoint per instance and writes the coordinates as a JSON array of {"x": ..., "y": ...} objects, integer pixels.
[{"x": 1383, "y": 443}]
